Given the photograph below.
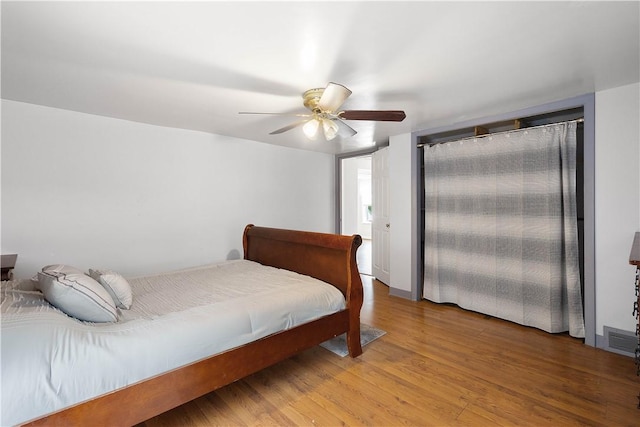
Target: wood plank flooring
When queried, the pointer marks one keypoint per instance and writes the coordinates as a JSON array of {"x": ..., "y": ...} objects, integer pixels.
[{"x": 438, "y": 365}]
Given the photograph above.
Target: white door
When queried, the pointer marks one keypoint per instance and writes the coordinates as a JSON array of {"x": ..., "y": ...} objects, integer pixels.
[{"x": 381, "y": 227}]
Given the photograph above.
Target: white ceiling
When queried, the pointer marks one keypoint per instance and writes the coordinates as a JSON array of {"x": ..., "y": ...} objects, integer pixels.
[{"x": 196, "y": 65}]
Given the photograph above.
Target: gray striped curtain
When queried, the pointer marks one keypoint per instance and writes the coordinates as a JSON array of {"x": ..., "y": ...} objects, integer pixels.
[{"x": 501, "y": 227}]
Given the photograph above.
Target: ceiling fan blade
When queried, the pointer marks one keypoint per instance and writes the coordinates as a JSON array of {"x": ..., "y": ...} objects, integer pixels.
[
  {"x": 333, "y": 97},
  {"x": 278, "y": 114},
  {"x": 288, "y": 127},
  {"x": 344, "y": 130},
  {"x": 376, "y": 115}
]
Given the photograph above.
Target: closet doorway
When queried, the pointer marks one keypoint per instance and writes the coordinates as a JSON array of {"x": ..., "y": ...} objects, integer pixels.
[{"x": 581, "y": 112}]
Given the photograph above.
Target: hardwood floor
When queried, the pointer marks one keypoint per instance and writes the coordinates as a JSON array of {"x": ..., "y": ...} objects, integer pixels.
[{"x": 437, "y": 365}]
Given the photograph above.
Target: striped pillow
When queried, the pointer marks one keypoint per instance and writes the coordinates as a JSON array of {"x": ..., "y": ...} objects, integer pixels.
[{"x": 76, "y": 294}]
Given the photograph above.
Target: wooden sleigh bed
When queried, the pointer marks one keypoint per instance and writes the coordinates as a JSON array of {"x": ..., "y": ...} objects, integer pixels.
[{"x": 328, "y": 257}]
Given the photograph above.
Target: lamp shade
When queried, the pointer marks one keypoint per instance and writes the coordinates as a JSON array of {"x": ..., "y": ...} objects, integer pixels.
[
  {"x": 310, "y": 128},
  {"x": 330, "y": 129}
]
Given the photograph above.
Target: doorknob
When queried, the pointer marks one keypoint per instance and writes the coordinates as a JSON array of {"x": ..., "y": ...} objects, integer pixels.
[{"x": 388, "y": 225}]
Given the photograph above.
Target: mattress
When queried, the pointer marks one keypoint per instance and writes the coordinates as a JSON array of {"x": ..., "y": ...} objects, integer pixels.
[{"x": 51, "y": 361}]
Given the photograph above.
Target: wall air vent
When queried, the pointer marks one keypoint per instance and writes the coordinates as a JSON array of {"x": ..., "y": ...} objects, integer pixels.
[{"x": 620, "y": 341}]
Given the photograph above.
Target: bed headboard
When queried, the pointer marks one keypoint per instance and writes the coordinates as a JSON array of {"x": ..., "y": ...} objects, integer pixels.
[{"x": 328, "y": 257}]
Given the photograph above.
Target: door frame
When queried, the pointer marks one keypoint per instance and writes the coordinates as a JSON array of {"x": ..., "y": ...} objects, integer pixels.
[{"x": 337, "y": 224}]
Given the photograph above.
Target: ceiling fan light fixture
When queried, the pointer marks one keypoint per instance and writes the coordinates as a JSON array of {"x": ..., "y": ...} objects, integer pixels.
[
  {"x": 330, "y": 129},
  {"x": 324, "y": 105},
  {"x": 310, "y": 128}
]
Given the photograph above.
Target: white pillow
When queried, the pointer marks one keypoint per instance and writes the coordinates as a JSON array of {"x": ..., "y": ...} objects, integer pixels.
[
  {"x": 77, "y": 294},
  {"x": 116, "y": 285},
  {"x": 61, "y": 268}
]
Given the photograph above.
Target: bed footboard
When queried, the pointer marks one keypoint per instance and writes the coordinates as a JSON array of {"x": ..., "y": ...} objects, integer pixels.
[{"x": 327, "y": 257}]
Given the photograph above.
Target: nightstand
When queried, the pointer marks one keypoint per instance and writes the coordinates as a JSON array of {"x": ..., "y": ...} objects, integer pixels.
[{"x": 7, "y": 263}]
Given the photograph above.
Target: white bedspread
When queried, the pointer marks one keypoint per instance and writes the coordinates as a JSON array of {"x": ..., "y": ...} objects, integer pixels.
[{"x": 51, "y": 361}]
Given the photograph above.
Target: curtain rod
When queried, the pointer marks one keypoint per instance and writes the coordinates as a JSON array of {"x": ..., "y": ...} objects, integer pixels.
[{"x": 578, "y": 120}]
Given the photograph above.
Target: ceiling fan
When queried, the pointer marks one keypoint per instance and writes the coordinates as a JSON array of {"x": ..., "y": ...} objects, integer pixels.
[{"x": 324, "y": 104}]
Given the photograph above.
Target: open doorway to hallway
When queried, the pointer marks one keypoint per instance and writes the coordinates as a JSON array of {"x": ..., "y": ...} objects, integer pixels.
[{"x": 355, "y": 215}]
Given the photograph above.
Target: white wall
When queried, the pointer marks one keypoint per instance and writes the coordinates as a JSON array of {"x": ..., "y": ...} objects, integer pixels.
[
  {"x": 402, "y": 213},
  {"x": 92, "y": 191},
  {"x": 349, "y": 193},
  {"x": 617, "y": 203}
]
